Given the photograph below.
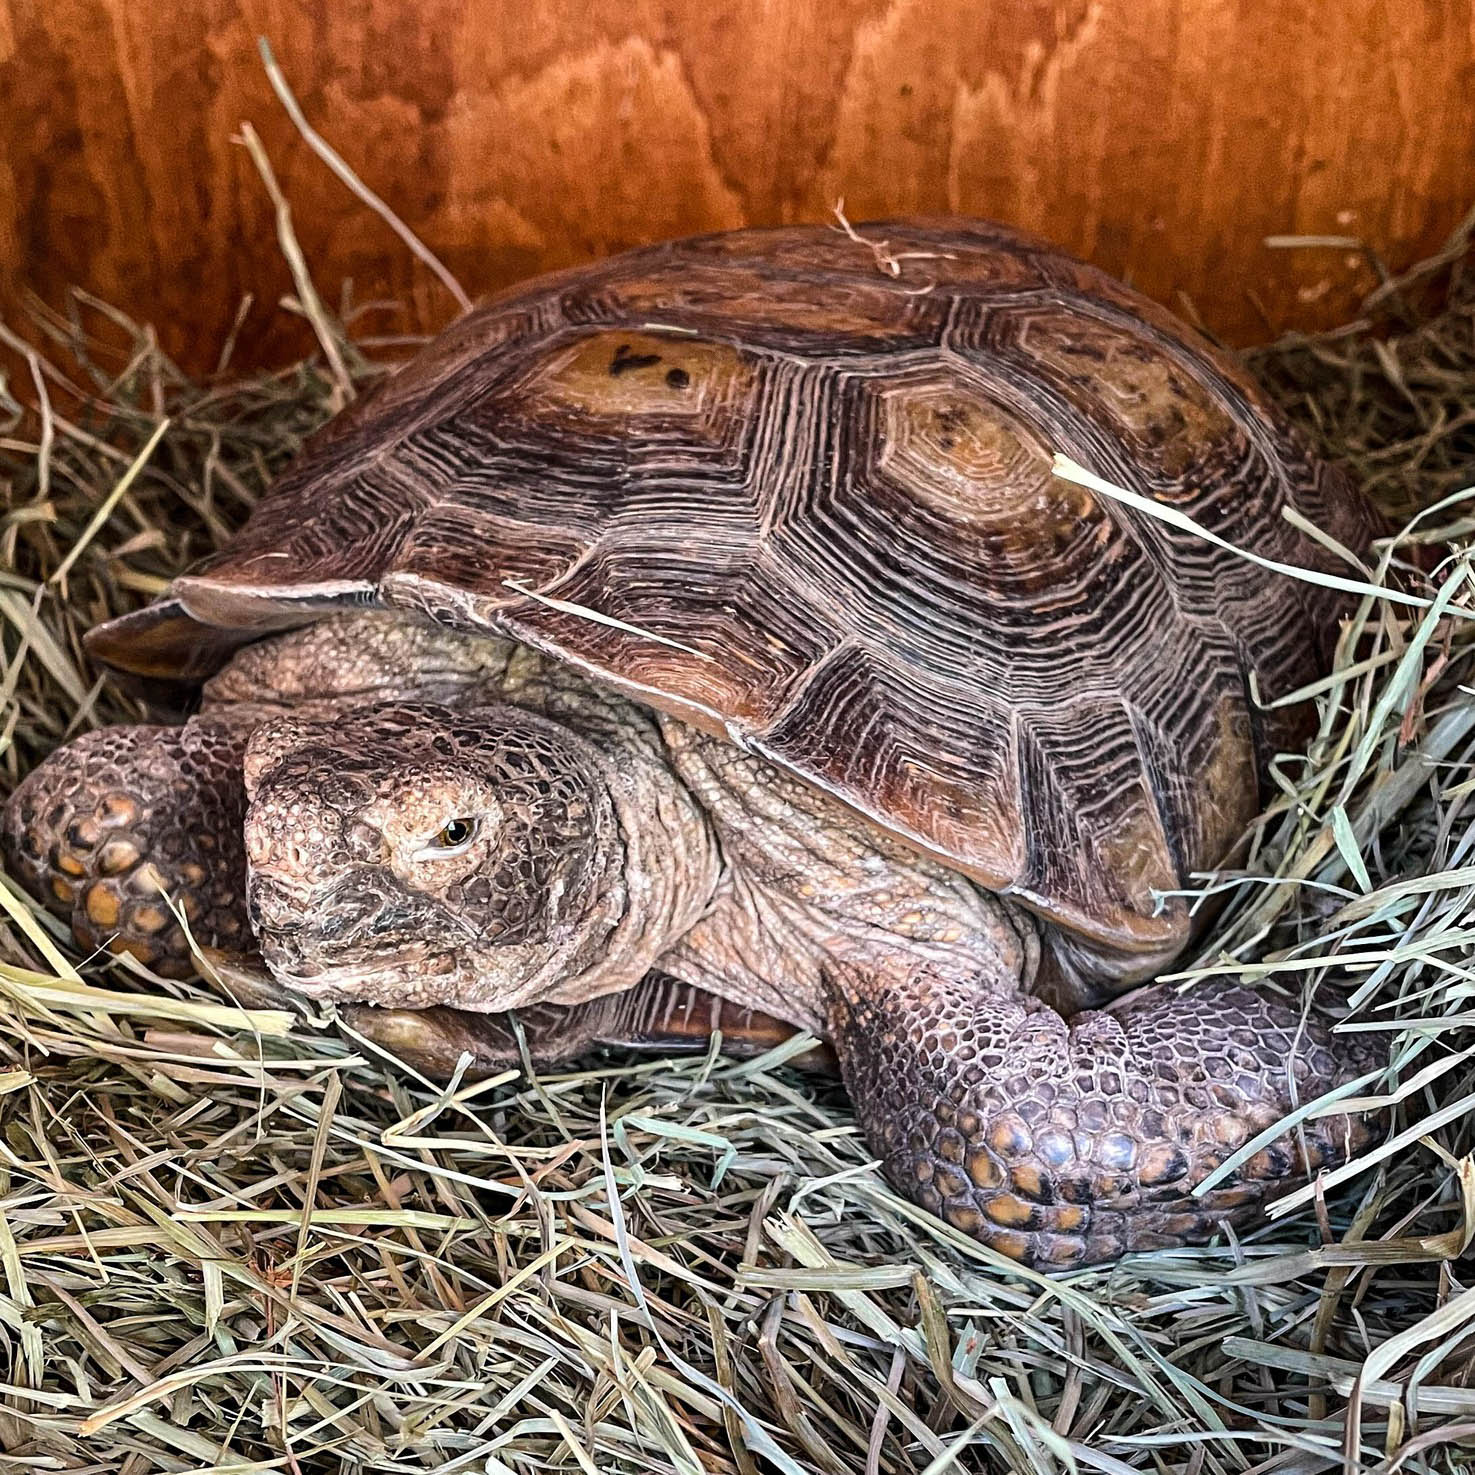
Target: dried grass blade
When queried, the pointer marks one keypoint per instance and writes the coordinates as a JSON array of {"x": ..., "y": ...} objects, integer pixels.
[
  {"x": 1070, "y": 470},
  {"x": 108, "y": 503},
  {"x": 335, "y": 161},
  {"x": 307, "y": 295}
]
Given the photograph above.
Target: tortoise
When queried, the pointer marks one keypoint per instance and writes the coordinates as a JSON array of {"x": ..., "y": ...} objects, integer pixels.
[{"x": 701, "y": 639}]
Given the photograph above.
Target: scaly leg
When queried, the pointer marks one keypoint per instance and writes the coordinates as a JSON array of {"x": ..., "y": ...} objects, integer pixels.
[
  {"x": 1063, "y": 1143},
  {"x": 112, "y": 827},
  {"x": 1059, "y": 1142}
]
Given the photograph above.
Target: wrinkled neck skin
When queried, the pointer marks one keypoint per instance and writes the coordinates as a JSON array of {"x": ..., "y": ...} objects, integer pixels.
[
  {"x": 590, "y": 855},
  {"x": 665, "y": 859},
  {"x": 662, "y": 868}
]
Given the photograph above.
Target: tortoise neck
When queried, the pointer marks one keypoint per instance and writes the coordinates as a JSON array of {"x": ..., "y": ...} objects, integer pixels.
[{"x": 669, "y": 861}]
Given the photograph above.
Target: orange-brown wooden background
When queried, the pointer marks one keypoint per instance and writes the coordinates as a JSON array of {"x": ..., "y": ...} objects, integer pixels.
[{"x": 1165, "y": 139}]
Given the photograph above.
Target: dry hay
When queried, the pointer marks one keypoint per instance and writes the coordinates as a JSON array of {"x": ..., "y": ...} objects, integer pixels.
[{"x": 237, "y": 1242}]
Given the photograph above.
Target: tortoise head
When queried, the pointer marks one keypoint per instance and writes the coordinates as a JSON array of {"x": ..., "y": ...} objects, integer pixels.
[{"x": 409, "y": 854}]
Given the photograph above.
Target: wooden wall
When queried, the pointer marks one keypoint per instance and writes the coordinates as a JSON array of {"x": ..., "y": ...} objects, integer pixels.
[{"x": 1163, "y": 138}]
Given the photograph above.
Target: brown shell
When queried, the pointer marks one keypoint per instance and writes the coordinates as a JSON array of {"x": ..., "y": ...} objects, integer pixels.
[{"x": 811, "y": 478}]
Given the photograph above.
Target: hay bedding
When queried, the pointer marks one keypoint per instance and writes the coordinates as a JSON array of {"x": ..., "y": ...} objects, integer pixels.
[{"x": 237, "y": 1241}]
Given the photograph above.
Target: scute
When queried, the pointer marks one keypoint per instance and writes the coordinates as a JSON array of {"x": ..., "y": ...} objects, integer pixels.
[{"x": 795, "y": 487}]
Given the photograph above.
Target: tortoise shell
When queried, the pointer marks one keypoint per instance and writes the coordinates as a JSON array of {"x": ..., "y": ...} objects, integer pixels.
[{"x": 795, "y": 487}]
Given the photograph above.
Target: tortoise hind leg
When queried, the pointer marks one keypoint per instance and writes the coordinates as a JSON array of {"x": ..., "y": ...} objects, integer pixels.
[
  {"x": 120, "y": 822},
  {"x": 1063, "y": 1143}
]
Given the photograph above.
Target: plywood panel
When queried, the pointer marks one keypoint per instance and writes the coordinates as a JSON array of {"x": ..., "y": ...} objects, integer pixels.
[{"x": 1161, "y": 138}]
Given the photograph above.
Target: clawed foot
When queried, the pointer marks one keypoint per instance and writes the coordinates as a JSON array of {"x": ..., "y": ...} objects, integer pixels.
[
  {"x": 126, "y": 824},
  {"x": 1070, "y": 1143}
]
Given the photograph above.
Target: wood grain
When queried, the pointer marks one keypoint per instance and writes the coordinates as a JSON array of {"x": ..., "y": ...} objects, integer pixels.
[{"x": 1162, "y": 140}]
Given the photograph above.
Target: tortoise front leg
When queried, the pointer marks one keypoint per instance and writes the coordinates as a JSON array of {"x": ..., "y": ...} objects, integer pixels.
[
  {"x": 1064, "y": 1143},
  {"x": 120, "y": 822}
]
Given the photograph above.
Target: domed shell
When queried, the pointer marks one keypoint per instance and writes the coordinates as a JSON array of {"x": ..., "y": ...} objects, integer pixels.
[{"x": 795, "y": 487}]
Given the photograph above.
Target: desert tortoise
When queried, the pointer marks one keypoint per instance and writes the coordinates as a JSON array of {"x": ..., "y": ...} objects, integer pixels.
[{"x": 714, "y": 610}]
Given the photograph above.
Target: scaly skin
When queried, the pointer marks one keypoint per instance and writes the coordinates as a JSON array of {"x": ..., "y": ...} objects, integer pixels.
[
  {"x": 123, "y": 820},
  {"x": 1065, "y": 1143},
  {"x": 609, "y": 841},
  {"x": 1059, "y": 1142},
  {"x": 659, "y": 1013}
]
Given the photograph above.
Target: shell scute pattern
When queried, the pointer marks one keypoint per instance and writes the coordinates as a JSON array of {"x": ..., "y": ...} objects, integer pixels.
[
  {"x": 1148, "y": 408},
  {"x": 825, "y": 488}
]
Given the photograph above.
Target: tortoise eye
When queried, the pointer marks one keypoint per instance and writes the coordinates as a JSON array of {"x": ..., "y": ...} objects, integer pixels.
[{"x": 457, "y": 835}]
